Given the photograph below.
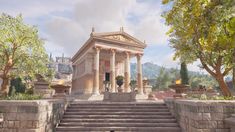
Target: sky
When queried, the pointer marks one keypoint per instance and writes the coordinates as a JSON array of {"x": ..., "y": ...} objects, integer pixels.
[{"x": 66, "y": 24}]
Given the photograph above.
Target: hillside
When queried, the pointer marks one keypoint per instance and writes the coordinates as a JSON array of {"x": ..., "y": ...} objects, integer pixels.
[{"x": 151, "y": 70}]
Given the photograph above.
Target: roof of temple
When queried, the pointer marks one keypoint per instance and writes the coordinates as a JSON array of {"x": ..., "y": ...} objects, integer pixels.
[{"x": 119, "y": 37}]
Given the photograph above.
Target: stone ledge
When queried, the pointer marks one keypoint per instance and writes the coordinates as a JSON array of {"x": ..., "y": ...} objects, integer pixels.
[
  {"x": 31, "y": 115},
  {"x": 120, "y": 97},
  {"x": 197, "y": 115}
]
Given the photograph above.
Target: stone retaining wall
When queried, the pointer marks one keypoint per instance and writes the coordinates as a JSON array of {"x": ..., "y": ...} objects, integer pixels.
[
  {"x": 31, "y": 116},
  {"x": 200, "y": 115}
]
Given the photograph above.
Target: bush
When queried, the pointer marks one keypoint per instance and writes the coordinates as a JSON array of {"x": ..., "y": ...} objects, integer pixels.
[
  {"x": 16, "y": 86},
  {"x": 21, "y": 96},
  {"x": 205, "y": 97},
  {"x": 29, "y": 91}
]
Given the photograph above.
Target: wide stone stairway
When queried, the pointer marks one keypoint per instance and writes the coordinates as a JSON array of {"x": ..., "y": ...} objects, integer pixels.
[{"x": 119, "y": 116}]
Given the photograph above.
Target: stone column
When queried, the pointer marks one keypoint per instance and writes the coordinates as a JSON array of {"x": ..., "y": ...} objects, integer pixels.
[
  {"x": 127, "y": 73},
  {"x": 96, "y": 71},
  {"x": 139, "y": 74},
  {"x": 112, "y": 70}
]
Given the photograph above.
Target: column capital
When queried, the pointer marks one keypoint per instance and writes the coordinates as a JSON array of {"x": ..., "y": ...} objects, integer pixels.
[
  {"x": 113, "y": 50},
  {"x": 97, "y": 48},
  {"x": 139, "y": 54},
  {"x": 127, "y": 53}
]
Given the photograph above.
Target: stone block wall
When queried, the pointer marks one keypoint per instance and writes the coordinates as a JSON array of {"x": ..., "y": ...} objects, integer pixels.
[
  {"x": 200, "y": 115},
  {"x": 31, "y": 116}
]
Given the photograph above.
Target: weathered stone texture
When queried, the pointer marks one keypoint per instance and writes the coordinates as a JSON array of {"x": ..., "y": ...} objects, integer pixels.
[
  {"x": 31, "y": 116},
  {"x": 200, "y": 115}
]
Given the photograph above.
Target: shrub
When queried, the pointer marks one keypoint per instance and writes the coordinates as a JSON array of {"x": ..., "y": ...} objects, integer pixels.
[
  {"x": 16, "y": 86},
  {"x": 21, "y": 96}
]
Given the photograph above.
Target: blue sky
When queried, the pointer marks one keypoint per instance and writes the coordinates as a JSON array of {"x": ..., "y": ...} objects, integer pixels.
[{"x": 66, "y": 24}]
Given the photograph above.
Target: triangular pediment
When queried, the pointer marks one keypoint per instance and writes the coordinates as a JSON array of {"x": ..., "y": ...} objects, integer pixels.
[{"x": 120, "y": 36}]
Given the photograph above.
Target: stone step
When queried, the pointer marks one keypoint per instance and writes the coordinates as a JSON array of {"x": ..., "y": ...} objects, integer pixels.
[
  {"x": 120, "y": 120},
  {"x": 118, "y": 124},
  {"x": 117, "y": 113},
  {"x": 118, "y": 103},
  {"x": 119, "y": 116},
  {"x": 116, "y": 110},
  {"x": 117, "y": 107},
  {"x": 118, "y": 129}
]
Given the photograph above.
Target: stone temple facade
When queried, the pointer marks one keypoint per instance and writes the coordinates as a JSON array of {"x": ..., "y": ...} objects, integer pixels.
[{"x": 103, "y": 57}]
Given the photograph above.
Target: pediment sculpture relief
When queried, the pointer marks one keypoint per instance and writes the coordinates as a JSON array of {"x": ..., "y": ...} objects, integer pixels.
[{"x": 120, "y": 38}]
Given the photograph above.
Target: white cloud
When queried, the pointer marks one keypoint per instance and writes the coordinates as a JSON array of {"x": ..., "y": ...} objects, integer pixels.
[
  {"x": 70, "y": 31},
  {"x": 105, "y": 16},
  {"x": 35, "y": 8}
]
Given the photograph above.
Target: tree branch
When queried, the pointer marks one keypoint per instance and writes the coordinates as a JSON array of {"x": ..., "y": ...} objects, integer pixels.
[
  {"x": 206, "y": 67},
  {"x": 227, "y": 70}
]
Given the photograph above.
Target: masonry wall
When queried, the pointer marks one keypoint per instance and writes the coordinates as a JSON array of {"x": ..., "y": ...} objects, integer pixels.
[
  {"x": 31, "y": 116},
  {"x": 201, "y": 116}
]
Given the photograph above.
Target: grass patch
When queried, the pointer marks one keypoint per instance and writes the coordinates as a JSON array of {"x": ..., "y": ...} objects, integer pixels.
[
  {"x": 22, "y": 96},
  {"x": 205, "y": 97}
]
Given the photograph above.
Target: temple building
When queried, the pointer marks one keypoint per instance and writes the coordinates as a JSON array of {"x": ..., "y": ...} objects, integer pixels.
[{"x": 103, "y": 57}]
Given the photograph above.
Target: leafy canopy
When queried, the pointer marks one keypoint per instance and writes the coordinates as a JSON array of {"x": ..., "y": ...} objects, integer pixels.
[
  {"x": 21, "y": 50},
  {"x": 203, "y": 29}
]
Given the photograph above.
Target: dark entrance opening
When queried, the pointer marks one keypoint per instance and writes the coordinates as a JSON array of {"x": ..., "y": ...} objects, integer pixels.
[{"x": 107, "y": 76}]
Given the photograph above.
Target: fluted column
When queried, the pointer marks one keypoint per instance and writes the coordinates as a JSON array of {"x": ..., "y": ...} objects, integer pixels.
[
  {"x": 112, "y": 70},
  {"x": 96, "y": 71},
  {"x": 139, "y": 74},
  {"x": 127, "y": 73}
]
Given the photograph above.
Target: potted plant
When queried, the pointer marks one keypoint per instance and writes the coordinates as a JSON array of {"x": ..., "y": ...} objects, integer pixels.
[
  {"x": 133, "y": 85},
  {"x": 120, "y": 81}
]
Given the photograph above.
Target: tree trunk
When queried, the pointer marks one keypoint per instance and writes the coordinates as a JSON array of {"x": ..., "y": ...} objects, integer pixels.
[
  {"x": 234, "y": 68},
  {"x": 5, "y": 86},
  {"x": 223, "y": 86}
]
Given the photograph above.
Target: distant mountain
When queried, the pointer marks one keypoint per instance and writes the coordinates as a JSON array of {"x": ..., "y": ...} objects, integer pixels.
[{"x": 150, "y": 70}]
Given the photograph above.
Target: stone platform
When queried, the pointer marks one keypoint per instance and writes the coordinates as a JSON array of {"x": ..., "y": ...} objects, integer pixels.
[{"x": 120, "y": 97}]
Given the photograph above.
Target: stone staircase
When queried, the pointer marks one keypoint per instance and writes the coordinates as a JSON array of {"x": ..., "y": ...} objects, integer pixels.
[{"x": 118, "y": 116}]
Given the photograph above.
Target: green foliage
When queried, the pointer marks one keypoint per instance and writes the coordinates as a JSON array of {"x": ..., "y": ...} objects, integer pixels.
[
  {"x": 203, "y": 30},
  {"x": 166, "y": 77},
  {"x": 21, "y": 96},
  {"x": 163, "y": 79},
  {"x": 208, "y": 35},
  {"x": 205, "y": 80},
  {"x": 133, "y": 84},
  {"x": 119, "y": 80},
  {"x": 205, "y": 97},
  {"x": 22, "y": 52},
  {"x": 16, "y": 86},
  {"x": 30, "y": 91},
  {"x": 184, "y": 73}
]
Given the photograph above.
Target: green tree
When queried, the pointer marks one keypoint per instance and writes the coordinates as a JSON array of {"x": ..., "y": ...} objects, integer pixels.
[
  {"x": 184, "y": 73},
  {"x": 199, "y": 30},
  {"x": 21, "y": 51},
  {"x": 163, "y": 79},
  {"x": 231, "y": 27}
]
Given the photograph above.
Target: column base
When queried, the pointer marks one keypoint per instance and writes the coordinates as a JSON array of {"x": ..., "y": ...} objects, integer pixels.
[
  {"x": 141, "y": 93},
  {"x": 96, "y": 93}
]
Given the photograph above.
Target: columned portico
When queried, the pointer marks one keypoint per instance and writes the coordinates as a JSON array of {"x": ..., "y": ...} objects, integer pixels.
[
  {"x": 112, "y": 70},
  {"x": 102, "y": 58},
  {"x": 139, "y": 74},
  {"x": 127, "y": 72},
  {"x": 96, "y": 71}
]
